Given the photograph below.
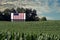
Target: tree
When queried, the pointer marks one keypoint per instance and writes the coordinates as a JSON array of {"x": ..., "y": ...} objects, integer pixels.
[
  {"x": 13, "y": 10},
  {"x": 0, "y": 13},
  {"x": 1, "y": 16},
  {"x": 43, "y": 19},
  {"x": 33, "y": 15},
  {"x": 6, "y": 15},
  {"x": 20, "y": 10},
  {"x": 30, "y": 14},
  {"x": 7, "y": 11},
  {"x": 37, "y": 18}
]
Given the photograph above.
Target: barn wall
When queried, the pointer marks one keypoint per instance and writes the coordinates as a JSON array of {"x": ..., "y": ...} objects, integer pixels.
[{"x": 12, "y": 18}]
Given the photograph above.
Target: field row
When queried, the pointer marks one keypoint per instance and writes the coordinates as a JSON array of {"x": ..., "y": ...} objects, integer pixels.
[{"x": 24, "y": 36}]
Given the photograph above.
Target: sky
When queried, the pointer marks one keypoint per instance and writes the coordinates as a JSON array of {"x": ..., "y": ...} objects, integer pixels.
[
  {"x": 53, "y": 12},
  {"x": 45, "y": 8},
  {"x": 50, "y": 9}
]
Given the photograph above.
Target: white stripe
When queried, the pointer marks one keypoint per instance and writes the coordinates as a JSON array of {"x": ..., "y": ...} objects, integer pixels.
[
  {"x": 11, "y": 15},
  {"x": 24, "y": 15}
]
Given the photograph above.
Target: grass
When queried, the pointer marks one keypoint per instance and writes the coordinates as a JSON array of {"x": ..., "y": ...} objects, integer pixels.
[{"x": 48, "y": 27}]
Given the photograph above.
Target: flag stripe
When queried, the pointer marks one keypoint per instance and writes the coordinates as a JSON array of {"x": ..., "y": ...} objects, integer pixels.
[
  {"x": 11, "y": 15},
  {"x": 20, "y": 16}
]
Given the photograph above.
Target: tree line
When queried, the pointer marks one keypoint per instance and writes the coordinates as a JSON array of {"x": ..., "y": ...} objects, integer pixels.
[{"x": 31, "y": 14}]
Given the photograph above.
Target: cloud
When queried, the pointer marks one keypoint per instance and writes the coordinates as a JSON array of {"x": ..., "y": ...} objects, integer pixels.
[
  {"x": 42, "y": 6},
  {"x": 49, "y": 18}
]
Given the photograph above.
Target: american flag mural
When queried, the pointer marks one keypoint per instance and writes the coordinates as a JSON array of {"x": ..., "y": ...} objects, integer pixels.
[{"x": 18, "y": 16}]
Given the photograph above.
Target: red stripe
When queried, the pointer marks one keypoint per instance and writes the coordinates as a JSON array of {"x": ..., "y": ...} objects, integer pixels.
[{"x": 20, "y": 16}]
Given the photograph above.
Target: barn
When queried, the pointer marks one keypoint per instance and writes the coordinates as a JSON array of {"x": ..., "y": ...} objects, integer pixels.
[{"x": 18, "y": 16}]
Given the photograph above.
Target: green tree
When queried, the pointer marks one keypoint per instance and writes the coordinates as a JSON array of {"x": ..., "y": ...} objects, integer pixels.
[
  {"x": 43, "y": 19},
  {"x": 37, "y": 18},
  {"x": 20, "y": 10},
  {"x": 6, "y": 14},
  {"x": 7, "y": 11}
]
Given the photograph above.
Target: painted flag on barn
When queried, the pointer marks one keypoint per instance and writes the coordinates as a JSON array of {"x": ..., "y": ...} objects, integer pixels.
[{"x": 18, "y": 16}]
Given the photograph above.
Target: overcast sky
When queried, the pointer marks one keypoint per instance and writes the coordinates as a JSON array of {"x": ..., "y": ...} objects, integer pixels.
[{"x": 47, "y": 8}]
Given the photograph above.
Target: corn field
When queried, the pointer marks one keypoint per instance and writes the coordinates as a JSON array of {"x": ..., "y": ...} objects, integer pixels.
[
  {"x": 37, "y": 30},
  {"x": 24, "y": 36}
]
